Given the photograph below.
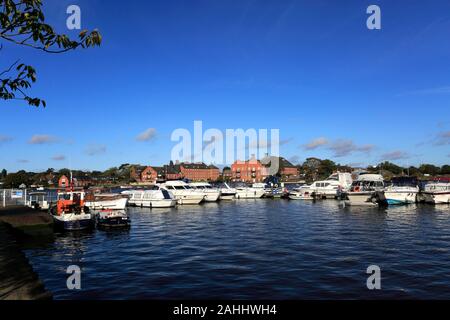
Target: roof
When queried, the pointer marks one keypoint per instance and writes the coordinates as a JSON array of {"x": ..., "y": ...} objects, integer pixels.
[
  {"x": 198, "y": 166},
  {"x": 282, "y": 162}
]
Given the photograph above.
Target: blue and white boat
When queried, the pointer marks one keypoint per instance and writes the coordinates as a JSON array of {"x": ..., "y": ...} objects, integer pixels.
[{"x": 403, "y": 190}]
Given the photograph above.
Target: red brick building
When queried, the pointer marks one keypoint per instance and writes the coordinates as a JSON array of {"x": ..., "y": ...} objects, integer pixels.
[
  {"x": 135, "y": 172},
  {"x": 199, "y": 172},
  {"x": 152, "y": 174},
  {"x": 64, "y": 182},
  {"x": 248, "y": 171}
]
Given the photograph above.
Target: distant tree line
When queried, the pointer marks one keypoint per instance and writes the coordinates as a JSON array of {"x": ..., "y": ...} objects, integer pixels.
[
  {"x": 311, "y": 170},
  {"x": 50, "y": 177},
  {"x": 317, "y": 169}
]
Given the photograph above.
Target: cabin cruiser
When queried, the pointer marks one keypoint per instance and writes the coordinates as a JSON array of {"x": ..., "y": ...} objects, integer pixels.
[
  {"x": 211, "y": 194},
  {"x": 70, "y": 212},
  {"x": 368, "y": 189},
  {"x": 39, "y": 200},
  {"x": 402, "y": 190},
  {"x": 244, "y": 192},
  {"x": 301, "y": 193},
  {"x": 154, "y": 198},
  {"x": 333, "y": 186},
  {"x": 106, "y": 201},
  {"x": 269, "y": 190},
  {"x": 226, "y": 192},
  {"x": 436, "y": 192},
  {"x": 106, "y": 219},
  {"x": 184, "y": 194}
]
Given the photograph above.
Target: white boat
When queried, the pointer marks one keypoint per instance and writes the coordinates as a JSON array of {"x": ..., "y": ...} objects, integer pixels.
[
  {"x": 436, "y": 193},
  {"x": 243, "y": 192},
  {"x": 301, "y": 193},
  {"x": 156, "y": 198},
  {"x": 403, "y": 190},
  {"x": 367, "y": 190},
  {"x": 106, "y": 201},
  {"x": 332, "y": 187},
  {"x": 211, "y": 194},
  {"x": 226, "y": 192},
  {"x": 183, "y": 192},
  {"x": 38, "y": 200}
]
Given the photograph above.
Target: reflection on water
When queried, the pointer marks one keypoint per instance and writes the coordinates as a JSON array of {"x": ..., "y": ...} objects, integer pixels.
[{"x": 260, "y": 249}]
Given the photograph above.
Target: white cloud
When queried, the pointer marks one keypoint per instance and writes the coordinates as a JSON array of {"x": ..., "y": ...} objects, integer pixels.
[
  {"x": 95, "y": 149},
  {"x": 316, "y": 143},
  {"x": 342, "y": 148},
  {"x": 395, "y": 155},
  {"x": 147, "y": 135},
  {"x": 42, "y": 139},
  {"x": 59, "y": 158}
]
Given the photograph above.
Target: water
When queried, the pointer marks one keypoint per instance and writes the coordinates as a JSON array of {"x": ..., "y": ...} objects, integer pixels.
[{"x": 257, "y": 249}]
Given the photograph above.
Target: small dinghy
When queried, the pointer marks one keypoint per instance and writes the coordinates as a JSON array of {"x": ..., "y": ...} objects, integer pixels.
[{"x": 107, "y": 219}]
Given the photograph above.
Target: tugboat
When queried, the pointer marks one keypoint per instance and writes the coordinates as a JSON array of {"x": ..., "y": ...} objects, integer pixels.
[
  {"x": 70, "y": 213},
  {"x": 106, "y": 219}
]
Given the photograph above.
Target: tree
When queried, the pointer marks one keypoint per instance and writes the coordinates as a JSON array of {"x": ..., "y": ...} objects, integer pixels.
[
  {"x": 22, "y": 22},
  {"x": 64, "y": 172},
  {"x": 445, "y": 169},
  {"x": 429, "y": 169},
  {"x": 326, "y": 168},
  {"x": 14, "y": 180},
  {"x": 3, "y": 174},
  {"x": 391, "y": 167}
]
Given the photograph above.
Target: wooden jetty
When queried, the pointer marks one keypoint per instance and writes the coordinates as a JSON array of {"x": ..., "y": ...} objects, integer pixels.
[{"x": 18, "y": 281}]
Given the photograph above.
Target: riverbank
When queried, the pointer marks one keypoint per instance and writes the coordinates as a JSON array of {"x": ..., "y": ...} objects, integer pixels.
[{"x": 18, "y": 281}]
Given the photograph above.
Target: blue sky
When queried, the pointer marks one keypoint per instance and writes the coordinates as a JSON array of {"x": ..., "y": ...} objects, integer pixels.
[{"x": 309, "y": 68}]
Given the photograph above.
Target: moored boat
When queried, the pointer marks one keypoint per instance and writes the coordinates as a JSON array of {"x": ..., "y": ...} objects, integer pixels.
[
  {"x": 70, "y": 212},
  {"x": 244, "y": 192},
  {"x": 436, "y": 192},
  {"x": 403, "y": 190},
  {"x": 106, "y": 201},
  {"x": 183, "y": 193},
  {"x": 106, "y": 219},
  {"x": 211, "y": 194},
  {"x": 367, "y": 190},
  {"x": 301, "y": 193},
  {"x": 226, "y": 192},
  {"x": 154, "y": 198}
]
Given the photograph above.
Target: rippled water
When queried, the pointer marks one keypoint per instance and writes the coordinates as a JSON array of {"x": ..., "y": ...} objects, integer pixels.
[{"x": 259, "y": 249}]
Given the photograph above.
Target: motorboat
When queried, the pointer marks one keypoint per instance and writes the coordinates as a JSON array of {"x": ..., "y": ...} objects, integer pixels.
[
  {"x": 368, "y": 189},
  {"x": 183, "y": 193},
  {"x": 106, "y": 219},
  {"x": 436, "y": 192},
  {"x": 211, "y": 194},
  {"x": 70, "y": 212},
  {"x": 244, "y": 192},
  {"x": 154, "y": 198},
  {"x": 270, "y": 191},
  {"x": 106, "y": 201},
  {"x": 402, "y": 190},
  {"x": 39, "y": 200},
  {"x": 333, "y": 186},
  {"x": 227, "y": 192},
  {"x": 301, "y": 193}
]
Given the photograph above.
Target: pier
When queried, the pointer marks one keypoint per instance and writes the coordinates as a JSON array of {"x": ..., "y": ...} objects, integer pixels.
[{"x": 18, "y": 281}]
